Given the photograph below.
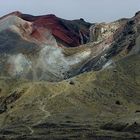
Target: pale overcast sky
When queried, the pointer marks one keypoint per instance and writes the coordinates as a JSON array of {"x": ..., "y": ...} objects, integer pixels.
[{"x": 90, "y": 10}]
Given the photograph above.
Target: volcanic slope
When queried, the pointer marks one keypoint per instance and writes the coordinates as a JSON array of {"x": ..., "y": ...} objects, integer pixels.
[
  {"x": 93, "y": 105},
  {"x": 33, "y": 52},
  {"x": 99, "y": 98}
]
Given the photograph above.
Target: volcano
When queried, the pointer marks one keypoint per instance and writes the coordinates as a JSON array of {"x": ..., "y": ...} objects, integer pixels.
[{"x": 69, "y": 79}]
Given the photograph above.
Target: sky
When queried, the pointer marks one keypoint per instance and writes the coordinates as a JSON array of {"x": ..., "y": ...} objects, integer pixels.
[{"x": 90, "y": 10}]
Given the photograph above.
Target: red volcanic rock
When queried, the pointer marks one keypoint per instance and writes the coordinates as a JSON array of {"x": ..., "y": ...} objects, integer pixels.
[
  {"x": 36, "y": 34},
  {"x": 70, "y": 33}
]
